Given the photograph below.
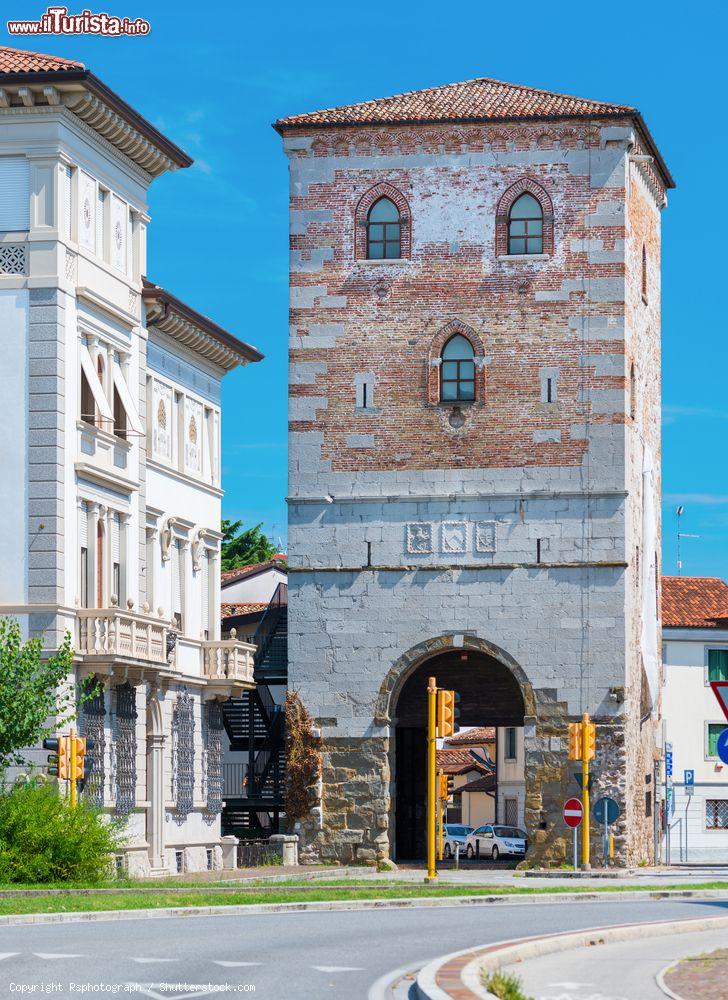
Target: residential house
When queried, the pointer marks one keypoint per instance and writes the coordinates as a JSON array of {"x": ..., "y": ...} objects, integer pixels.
[{"x": 111, "y": 455}]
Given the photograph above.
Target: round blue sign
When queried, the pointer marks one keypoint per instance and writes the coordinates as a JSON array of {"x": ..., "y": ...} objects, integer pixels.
[
  {"x": 605, "y": 811},
  {"x": 723, "y": 746}
]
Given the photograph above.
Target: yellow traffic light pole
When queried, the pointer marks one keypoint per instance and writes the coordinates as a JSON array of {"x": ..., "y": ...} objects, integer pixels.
[
  {"x": 442, "y": 797},
  {"x": 585, "y": 731},
  {"x": 72, "y": 769},
  {"x": 431, "y": 767}
]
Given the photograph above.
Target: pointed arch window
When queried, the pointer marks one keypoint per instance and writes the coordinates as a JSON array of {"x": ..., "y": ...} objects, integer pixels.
[
  {"x": 384, "y": 231},
  {"x": 457, "y": 374},
  {"x": 525, "y": 226}
]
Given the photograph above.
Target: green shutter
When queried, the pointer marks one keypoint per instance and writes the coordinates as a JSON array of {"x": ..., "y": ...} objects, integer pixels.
[{"x": 718, "y": 664}]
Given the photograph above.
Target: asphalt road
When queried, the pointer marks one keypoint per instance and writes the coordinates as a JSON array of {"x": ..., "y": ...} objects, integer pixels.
[{"x": 303, "y": 956}]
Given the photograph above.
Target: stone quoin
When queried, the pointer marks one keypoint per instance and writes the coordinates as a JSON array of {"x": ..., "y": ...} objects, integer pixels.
[{"x": 500, "y": 532}]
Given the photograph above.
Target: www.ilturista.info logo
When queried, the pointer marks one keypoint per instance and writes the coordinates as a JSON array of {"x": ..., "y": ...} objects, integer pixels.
[{"x": 57, "y": 21}]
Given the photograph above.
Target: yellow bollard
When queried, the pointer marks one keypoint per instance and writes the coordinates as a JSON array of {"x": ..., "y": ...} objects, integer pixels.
[{"x": 431, "y": 766}]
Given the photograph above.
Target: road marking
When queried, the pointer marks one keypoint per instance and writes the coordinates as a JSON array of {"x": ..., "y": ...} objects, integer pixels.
[
  {"x": 54, "y": 954},
  {"x": 337, "y": 968},
  {"x": 235, "y": 965},
  {"x": 147, "y": 961},
  {"x": 7, "y": 954}
]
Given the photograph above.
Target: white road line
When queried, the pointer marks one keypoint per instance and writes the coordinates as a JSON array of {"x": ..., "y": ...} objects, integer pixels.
[
  {"x": 55, "y": 954},
  {"x": 7, "y": 954},
  {"x": 337, "y": 968},
  {"x": 148, "y": 961},
  {"x": 235, "y": 965}
]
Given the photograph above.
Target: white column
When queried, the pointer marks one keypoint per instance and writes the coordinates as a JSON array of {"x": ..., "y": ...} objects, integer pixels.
[{"x": 155, "y": 779}]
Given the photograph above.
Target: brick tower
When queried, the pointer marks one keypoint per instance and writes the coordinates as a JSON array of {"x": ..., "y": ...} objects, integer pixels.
[{"x": 475, "y": 447}]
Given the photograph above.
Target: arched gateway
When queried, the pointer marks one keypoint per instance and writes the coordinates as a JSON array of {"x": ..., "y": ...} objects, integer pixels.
[{"x": 494, "y": 691}]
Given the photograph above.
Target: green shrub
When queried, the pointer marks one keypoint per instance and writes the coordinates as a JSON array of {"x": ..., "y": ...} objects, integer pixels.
[
  {"x": 504, "y": 986},
  {"x": 43, "y": 840}
]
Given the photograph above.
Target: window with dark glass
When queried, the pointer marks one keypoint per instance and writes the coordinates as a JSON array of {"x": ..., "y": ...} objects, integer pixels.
[
  {"x": 383, "y": 230},
  {"x": 718, "y": 664},
  {"x": 457, "y": 374},
  {"x": 525, "y": 226}
]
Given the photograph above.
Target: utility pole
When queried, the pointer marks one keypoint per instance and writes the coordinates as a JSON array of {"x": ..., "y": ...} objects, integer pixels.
[{"x": 680, "y": 534}]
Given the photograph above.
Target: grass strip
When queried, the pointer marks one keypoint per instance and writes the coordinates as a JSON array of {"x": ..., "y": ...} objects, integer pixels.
[{"x": 91, "y": 902}]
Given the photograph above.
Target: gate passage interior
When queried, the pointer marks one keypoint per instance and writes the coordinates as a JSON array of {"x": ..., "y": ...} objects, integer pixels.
[{"x": 489, "y": 696}]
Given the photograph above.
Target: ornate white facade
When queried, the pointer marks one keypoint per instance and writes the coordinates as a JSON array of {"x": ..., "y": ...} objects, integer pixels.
[{"x": 111, "y": 456}]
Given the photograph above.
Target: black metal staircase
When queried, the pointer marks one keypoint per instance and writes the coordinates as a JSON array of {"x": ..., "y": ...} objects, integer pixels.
[{"x": 255, "y": 724}]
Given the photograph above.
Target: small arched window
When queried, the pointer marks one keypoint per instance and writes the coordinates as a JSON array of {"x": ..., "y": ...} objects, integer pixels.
[
  {"x": 383, "y": 231},
  {"x": 457, "y": 374},
  {"x": 525, "y": 226}
]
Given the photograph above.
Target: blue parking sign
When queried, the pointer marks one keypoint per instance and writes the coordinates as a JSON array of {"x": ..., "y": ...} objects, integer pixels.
[
  {"x": 689, "y": 781},
  {"x": 722, "y": 747}
]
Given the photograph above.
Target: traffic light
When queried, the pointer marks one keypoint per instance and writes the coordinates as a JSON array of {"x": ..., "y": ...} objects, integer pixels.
[
  {"x": 450, "y": 785},
  {"x": 591, "y": 741},
  {"x": 456, "y": 713},
  {"x": 574, "y": 741},
  {"x": 58, "y": 760},
  {"x": 446, "y": 786},
  {"x": 83, "y": 761},
  {"x": 446, "y": 724}
]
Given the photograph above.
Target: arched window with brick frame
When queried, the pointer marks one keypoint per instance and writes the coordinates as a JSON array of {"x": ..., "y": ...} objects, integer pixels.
[
  {"x": 524, "y": 224},
  {"x": 456, "y": 366},
  {"x": 382, "y": 225}
]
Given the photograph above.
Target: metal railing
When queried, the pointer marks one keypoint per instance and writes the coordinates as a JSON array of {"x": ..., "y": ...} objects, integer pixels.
[
  {"x": 115, "y": 632},
  {"x": 228, "y": 659},
  {"x": 235, "y": 780},
  {"x": 267, "y": 627}
]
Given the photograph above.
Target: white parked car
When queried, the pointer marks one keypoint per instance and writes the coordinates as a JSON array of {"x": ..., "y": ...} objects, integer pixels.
[
  {"x": 496, "y": 841},
  {"x": 455, "y": 833}
]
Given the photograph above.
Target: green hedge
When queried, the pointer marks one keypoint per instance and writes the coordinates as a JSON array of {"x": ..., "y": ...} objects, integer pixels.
[{"x": 43, "y": 840}]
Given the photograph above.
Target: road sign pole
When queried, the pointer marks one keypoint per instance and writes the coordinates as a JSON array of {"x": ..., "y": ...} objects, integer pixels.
[
  {"x": 431, "y": 766},
  {"x": 585, "y": 788},
  {"x": 576, "y": 855}
]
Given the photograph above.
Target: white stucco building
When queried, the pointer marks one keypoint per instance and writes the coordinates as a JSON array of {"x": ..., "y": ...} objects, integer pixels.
[
  {"x": 111, "y": 455},
  {"x": 695, "y": 652}
]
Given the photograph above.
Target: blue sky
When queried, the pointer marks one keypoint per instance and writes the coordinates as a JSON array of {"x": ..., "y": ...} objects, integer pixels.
[{"x": 213, "y": 77}]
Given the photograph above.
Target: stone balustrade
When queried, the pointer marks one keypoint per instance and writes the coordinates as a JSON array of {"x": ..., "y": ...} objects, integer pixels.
[
  {"x": 123, "y": 633},
  {"x": 228, "y": 660}
]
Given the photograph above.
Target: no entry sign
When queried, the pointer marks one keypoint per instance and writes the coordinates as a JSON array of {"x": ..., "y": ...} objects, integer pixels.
[{"x": 573, "y": 812}]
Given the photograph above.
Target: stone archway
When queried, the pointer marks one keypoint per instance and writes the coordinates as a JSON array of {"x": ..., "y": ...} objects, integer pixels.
[{"x": 494, "y": 691}]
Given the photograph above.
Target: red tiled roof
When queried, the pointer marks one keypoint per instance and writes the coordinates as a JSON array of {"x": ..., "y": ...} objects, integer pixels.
[
  {"x": 473, "y": 737},
  {"x": 21, "y": 61},
  {"x": 482, "y": 99},
  {"x": 458, "y": 762},
  {"x": 694, "y": 602},
  {"x": 233, "y": 575},
  {"x": 484, "y": 784},
  {"x": 249, "y": 608}
]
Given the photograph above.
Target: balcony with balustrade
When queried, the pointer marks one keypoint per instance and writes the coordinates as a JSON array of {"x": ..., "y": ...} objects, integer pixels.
[{"x": 109, "y": 639}]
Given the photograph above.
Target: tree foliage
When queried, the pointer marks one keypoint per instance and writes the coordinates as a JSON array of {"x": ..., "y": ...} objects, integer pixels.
[
  {"x": 303, "y": 760},
  {"x": 242, "y": 548},
  {"x": 33, "y": 691}
]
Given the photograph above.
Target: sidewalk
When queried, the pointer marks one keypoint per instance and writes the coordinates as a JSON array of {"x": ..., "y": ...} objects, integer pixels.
[{"x": 621, "y": 971}]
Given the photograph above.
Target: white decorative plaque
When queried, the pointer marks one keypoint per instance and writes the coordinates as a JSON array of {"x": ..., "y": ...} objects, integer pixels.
[
  {"x": 454, "y": 536},
  {"x": 485, "y": 536},
  {"x": 419, "y": 538}
]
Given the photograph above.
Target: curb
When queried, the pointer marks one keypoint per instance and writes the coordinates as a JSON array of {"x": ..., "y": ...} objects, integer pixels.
[
  {"x": 660, "y": 980},
  {"x": 430, "y": 902},
  {"x": 451, "y": 972}
]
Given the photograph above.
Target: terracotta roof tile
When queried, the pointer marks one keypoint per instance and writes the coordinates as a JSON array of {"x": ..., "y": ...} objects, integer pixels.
[
  {"x": 249, "y": 608},
  {"x": 458, "y": 762},
  {"x": 694, "y": 602},
  {"x": 484, "y": 784},
  {"x": 240, "y": 573},
  {"x": 472, "y": 737},
  {"x": 480, "y": 99},
  {"x": 21, "y": 61}
]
